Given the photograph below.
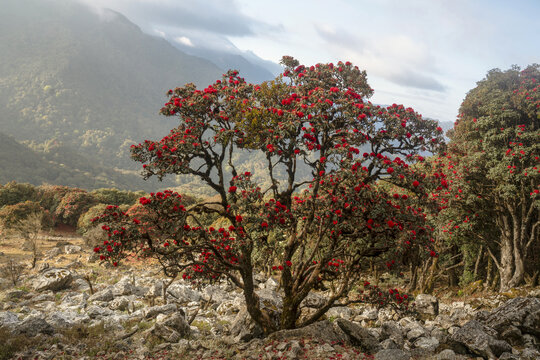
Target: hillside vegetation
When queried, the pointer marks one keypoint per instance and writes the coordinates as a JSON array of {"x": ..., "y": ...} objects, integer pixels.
[{"x": 70, "y": 78}]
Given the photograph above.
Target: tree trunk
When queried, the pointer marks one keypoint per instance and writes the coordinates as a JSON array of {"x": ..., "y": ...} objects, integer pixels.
[
  {"x": 253, "y": 305},
  {"x": 507, "y": 264},
  {"x": 289, "y": 314},
  {"x": 489, "y": 271},
  {"x": 477, "y": 263}
]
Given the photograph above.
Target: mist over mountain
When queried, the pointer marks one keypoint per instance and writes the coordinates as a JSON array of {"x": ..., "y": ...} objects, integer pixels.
[
  {"x": 93, "y": 82},
  {"x": 78, "y": 87},
  {"x": 255, "y": 71}
]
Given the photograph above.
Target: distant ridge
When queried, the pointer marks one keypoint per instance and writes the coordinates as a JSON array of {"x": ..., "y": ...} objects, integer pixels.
[{"x": 93, "y": 83}]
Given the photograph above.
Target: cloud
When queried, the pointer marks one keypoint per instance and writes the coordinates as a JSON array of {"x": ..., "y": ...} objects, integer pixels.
[
  {"x": 397, "y": 58},
  {"x": 416, "y": 79},
  {"x": 184, "y": 40},
  {"x": 212, "y": 16}
]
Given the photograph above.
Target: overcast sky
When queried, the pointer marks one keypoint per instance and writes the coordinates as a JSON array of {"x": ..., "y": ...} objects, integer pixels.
[{"x": 422, "y": 53}]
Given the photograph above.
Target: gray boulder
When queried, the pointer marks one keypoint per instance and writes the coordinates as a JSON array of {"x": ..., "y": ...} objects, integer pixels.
[
  {"x": 183, "y": 292},
  {"x": 163, "y": 309},
  {"x": 392, "y": 330},
  {"x": 120, "y": 303},
  {"x": 98, "y": 312},
  {"x": 177, "y": 322},
  {"x": 103, "y": 295},
  {"x": 33, "y": 325},
  {"x": 359, "y": 336},
  {"x": 426, "y": 304},
  {"x": 322, "y": 330},
  {"x": 427, "y": 343},
  {"x": 72, "y": 249},
  {"x": 481, "y": 340},
  {"x": 8, "y": 319},
  {"x": 392, "y": 354},
  {"x": 243, "y": 328},
  {"x": 53, "y": 279},
  {"x": 447, "y": 354},
  {"x": 521, "y": 313},
  {"x": 530, "y": 354}
]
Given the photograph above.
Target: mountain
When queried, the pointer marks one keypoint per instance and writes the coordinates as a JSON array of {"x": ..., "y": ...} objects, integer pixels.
[
  {"x": 93, "y": 83},
  {"x": 251, "y": 67},
  {"x": 61, "y": 165}
]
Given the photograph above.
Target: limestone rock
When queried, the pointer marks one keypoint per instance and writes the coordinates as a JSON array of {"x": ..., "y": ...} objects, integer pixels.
[
  {"x": 358, "y": 336},
  {"x": 522, "y": 313},
  {"x": 163, "y": 309},
  {"x": 427, "y": 304},
  {"x": 244, "y": 328},
  {"x": 72, "y": 249},
  {"x": 103, "y": 295},
  {"x": 427, "y": 343},
  {"x": 183, "y": 292},
  {"x": 53, "y": 279},
  {"x": 481, "y": 340},
  {"x": 8, "y": 319},
  {"x": 177, "y": 322},
  {"x": 33, "y": 325},
  {"x": 447, "y": 354},
  {"x": 323, "y": 330},
  {"x": 392, "y": 354}
]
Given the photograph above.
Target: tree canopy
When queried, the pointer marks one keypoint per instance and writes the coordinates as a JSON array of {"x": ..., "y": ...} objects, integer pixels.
[
  {"x": 492, "y": 171},
  {"x": 310, "y": 231}
]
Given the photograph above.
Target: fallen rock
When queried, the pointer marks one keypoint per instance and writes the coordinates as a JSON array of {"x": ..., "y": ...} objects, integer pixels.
[
  {"x": 103, "y": 295},
  {"x": 427, "y": 343},
  {"x": 163, "y": 309},
  {"x": 392, "y": 354},
  {"x": 426, "y": 305},
  {"x": 243, "y": 328},
  {"x": 481, "y": 340},
  {"x": 323, "y": 330},
  {"x": 521, "y": 313},
  {"x": 72, "y": 249},
  {"x": 177, "y": 322},
  {"x": 183, "y": 293},
  {"x": 8, "y": 319},
  {"x": 31, "y": 326},
  {"x": 359, "y": 336},
  {"x": 53, "y": 279},
  {"x": 54, "y": 252},
  {"x": 447, "y": 354}
]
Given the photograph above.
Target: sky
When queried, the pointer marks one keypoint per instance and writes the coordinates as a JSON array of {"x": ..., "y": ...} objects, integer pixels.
[{"x": 426, "y": 54}]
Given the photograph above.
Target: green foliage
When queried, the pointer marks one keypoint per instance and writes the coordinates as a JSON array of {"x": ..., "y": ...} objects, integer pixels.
[
  {"x": 13, "y": 193},
  {"x": 11, "y": 344},
  {"x": 116, "y": 197},
  {"x": 85, "y": 223},
  {"x": 490, "y": 178},
  {"x": 79, "y": 91},
  {"x": 12, "y": 215}
]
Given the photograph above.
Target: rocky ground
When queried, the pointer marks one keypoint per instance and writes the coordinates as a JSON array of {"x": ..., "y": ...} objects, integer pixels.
[{"x": 53, "y": 313}]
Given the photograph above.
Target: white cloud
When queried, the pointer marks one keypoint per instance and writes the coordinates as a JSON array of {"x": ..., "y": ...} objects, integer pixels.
[
  {"x": 184, "y": 40},
  {"x": 397, "y": 58}
]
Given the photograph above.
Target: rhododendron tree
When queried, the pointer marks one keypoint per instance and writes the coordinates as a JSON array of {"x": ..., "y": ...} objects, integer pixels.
[
  {"x": 324, "y": 229},
  {"x": 490, "y": 178}
]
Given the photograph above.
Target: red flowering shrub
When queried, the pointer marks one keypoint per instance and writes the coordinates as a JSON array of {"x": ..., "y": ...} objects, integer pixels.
[
  {"x": 489, "y": 180},
  {"x": 315, "y": 231},
  {"x": 73, "y": 204}
]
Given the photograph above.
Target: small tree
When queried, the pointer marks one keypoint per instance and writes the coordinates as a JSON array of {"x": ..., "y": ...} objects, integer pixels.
[
  {"x": 314, "y": 229},
  {"x": 12, "y": 270}
]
